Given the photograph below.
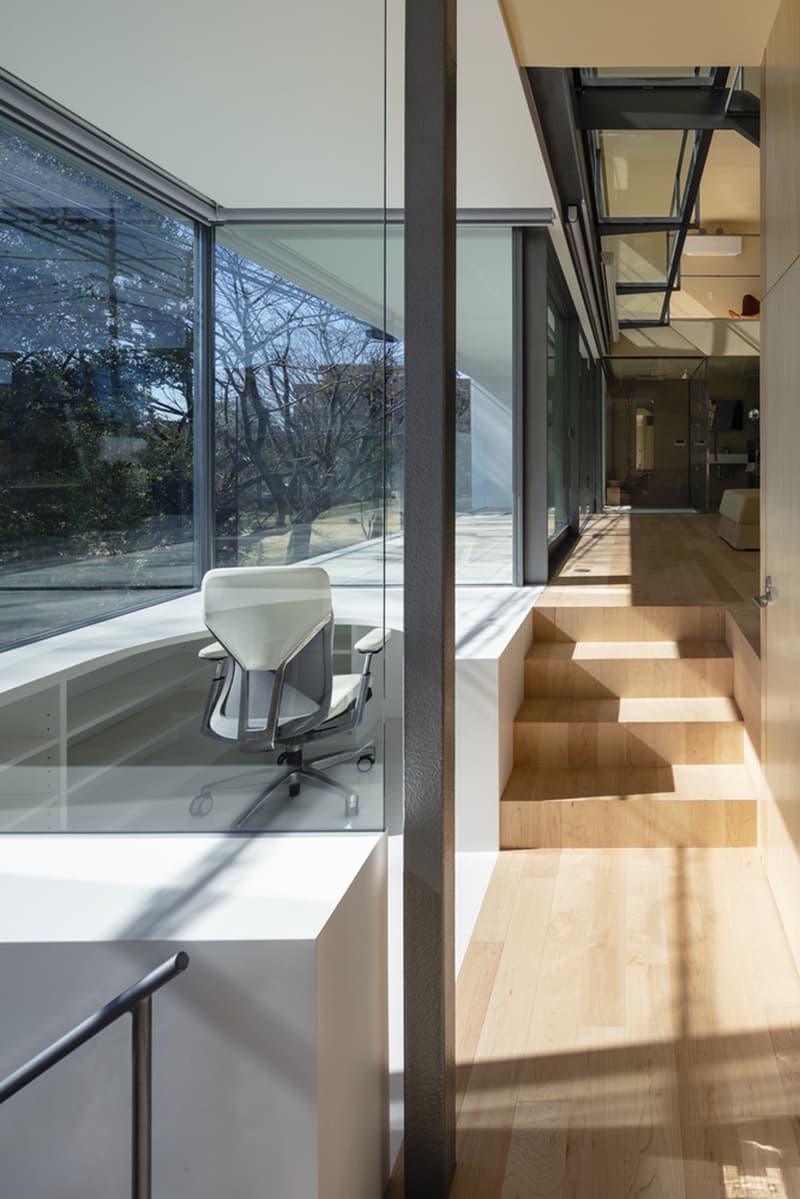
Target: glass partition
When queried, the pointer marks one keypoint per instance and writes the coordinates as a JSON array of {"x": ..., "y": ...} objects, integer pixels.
[
  {"x": 641, "y": 258},
  {"x": 640, "y": 305},
  {"x": 484, "y": 398},
  {"x": 751, "y": 80},
  {"x": 733, "y": 426},
  {"x": 651, "y": 435},
  {"x": 96, "y": 394},
  {"x": 644, "y": 172},
  {"x": 484, "y": 403}
]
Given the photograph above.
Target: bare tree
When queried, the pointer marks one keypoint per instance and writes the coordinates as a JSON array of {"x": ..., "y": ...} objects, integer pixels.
[{"x": 302, "y": 393}]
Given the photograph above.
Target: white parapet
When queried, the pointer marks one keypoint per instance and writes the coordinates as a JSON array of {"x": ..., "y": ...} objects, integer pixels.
[{"x": 270, "y": 1071}]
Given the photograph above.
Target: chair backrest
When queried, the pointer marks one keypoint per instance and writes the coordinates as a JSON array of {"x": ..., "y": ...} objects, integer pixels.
[{"x": 265, "y": 614}]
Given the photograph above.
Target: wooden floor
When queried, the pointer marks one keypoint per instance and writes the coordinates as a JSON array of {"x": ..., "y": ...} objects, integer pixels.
[
  {"x": 628, "y": 1025},
  {"x": 623, "y": 558}
]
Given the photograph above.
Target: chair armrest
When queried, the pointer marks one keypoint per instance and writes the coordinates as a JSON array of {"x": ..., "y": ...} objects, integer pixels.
[
  {"x": 373, "y": 641},
  {"x": 213, "y": 652}
]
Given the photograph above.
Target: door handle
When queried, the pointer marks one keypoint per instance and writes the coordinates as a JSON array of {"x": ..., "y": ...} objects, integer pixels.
[{"x": 761, "y": 601}]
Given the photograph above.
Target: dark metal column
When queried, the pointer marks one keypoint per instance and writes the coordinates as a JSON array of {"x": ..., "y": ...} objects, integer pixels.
[
  {"x": 534, "y": 401},
  {"x": 428, "y": 899},
  {"x": 203, "y": 403},
  {"x": 518, "y": 410}
]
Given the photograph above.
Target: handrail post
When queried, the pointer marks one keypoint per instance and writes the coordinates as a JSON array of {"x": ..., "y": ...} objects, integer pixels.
[{"x": 141, "y": 1126}]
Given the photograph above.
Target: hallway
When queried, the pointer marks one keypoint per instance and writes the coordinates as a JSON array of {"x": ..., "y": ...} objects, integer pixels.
[
  {"x": 647, "y": 559},
  {"x": 628, "y": 1025}
]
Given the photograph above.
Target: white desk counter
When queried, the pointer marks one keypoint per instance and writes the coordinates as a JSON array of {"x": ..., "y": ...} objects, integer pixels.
[
  {"x": 105, "y": 697},
  {"x": 482, "y": 626}
]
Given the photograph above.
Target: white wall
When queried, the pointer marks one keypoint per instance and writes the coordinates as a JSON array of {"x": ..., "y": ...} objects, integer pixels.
[{"x": 269, "y": 1052}]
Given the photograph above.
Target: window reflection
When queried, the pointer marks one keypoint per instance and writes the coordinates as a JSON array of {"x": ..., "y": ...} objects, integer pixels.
[
  {"x": 96, "y": 347},
  {"x": 305, "y": 393}
]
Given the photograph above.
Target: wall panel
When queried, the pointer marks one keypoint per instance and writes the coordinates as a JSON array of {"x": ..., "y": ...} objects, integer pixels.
[
  {"x": 781, "y": 480},
  {"x": 780, "y": 140}
]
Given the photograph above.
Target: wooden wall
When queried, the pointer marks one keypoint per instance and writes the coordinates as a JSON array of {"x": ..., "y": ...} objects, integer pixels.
[{"x": 780, "y": 381}]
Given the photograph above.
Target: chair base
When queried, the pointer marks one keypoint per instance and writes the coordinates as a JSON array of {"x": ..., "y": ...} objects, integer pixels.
[{"x": 298, "y": 772}]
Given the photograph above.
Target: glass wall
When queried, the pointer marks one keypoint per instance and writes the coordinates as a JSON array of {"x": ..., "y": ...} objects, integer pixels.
[
  {"x": 105, "y": 483},
  {"x": 308, "y": 399},
  {"x": 484, "y": 400},
  {"x": 120, "y": 413},
  {"x": 733, "y": 425},
  {"x": 96, "y": 364},
  {"x": 562, "y": 405},
  {"x": 682, "y": 430},
  {"x": 558, "y": 401}
]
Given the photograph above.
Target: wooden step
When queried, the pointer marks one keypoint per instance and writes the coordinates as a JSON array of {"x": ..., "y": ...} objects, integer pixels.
[
  {"x": 623, "y": 669},
  {"x": 613, "y": 806},
  {"x": 625, "y": 623},
  {"x": 638, "y": 744},
  {"x": 714, "y": 709},
  {"x": 628, "y": 732}
]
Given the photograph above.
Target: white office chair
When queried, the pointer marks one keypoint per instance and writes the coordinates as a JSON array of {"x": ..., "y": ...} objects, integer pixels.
[{"x": 274, "y": 686}]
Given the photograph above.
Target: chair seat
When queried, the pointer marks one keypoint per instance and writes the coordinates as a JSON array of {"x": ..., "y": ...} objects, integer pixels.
[{"x": 343, "y": 693}]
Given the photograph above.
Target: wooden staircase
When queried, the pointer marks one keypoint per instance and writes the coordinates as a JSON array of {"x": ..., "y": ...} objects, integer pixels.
[{"x": 629, "y": 734}]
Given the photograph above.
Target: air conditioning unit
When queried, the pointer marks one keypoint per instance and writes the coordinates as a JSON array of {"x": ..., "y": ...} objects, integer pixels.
[{"x": 712, "y": 245}]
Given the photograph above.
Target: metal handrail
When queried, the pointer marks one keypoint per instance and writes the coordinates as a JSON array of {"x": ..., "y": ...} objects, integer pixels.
[{"x": 137, "y": 1001}]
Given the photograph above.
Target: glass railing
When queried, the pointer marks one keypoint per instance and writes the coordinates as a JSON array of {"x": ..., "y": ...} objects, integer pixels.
[{"x": 641, "y": 258}]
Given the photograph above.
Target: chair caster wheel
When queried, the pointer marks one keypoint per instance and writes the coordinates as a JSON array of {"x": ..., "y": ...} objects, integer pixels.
[
  {"x": 365, "y": 763},
  {"x": 294, "y": 790},
  {"x": 202, "y": 804}
]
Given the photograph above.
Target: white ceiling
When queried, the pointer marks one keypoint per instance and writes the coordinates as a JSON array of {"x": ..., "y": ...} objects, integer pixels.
[
  {"x": 281, "y": 105},
  {"x": 276, "y": 104}
]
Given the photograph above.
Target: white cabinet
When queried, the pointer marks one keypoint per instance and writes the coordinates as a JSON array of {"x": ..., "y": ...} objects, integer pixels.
[
  {"x": 59, "y": 740},
  {"x": 30, "y": 761}
]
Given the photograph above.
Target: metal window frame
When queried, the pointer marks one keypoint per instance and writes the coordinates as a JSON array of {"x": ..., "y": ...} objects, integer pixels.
[
  {"x": 533, "y": 406},
  {"x": 203, "y": 405},
  {"x": 43, "y": 117},
  {"x": 489, "y": 217}
]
